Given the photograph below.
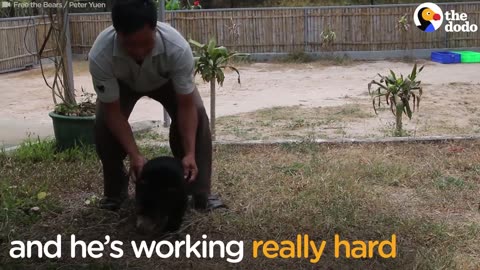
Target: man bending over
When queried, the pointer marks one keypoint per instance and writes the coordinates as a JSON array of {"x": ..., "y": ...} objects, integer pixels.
[{"x": 137, "y": 57}]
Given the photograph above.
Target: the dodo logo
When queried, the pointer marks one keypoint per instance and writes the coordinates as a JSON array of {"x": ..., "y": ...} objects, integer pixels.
[{"x": 428, "y": 17}]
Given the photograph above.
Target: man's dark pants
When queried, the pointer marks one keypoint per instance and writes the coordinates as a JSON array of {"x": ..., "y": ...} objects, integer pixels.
[{"x": 112, "y": 154}]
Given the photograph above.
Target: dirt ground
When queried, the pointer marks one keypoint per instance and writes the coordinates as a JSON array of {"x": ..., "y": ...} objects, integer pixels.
[
  {"x": 448, "y": 105},
  {"x": 427, "y": 194}
]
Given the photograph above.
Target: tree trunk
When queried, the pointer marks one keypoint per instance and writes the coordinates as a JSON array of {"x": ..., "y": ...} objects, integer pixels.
[
  {"x": 212, "y": 108},
  {"x": 66, "y": 55},
  {"x": 11, "y": 10},
  {"x": 399, "y": 114}
]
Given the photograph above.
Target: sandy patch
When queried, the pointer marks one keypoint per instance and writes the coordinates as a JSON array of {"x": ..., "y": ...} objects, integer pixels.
[{"x": 25, "y": 101}]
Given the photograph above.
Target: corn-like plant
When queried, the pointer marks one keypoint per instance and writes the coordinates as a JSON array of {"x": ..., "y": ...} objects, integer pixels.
[
  {"x": 403, "y": 23},
  {"x": 398, "y": 92},
  {"x": 234, "y": 32},
  {"x": 210, "y": 62},
  {"x": 328, "y": 37}
]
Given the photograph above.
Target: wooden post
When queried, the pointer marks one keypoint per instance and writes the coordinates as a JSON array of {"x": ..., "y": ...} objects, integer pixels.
[
  {"x": 35, "y": 40},
  {"x": 161, "y": 17},
  {"x": 161, "y": 10}
]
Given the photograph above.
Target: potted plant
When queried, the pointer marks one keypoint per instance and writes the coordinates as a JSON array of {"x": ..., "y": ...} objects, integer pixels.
[
  {"x": 73, "y": 122},
  {"x": 210, "y": 61}
]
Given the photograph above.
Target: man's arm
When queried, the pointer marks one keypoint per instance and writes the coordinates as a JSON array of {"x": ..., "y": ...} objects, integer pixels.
[
  {"x": 187, "y": 125},
  {"x": 108, "y": 94},
  {"x": 187, "y": 118},
  {"x": 121, "y": 129}
]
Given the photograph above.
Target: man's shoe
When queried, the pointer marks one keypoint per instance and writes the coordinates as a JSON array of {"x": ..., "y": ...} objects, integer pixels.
[
  {"x": 207, "y": 202},
  {"x": 111, "y": 204}
]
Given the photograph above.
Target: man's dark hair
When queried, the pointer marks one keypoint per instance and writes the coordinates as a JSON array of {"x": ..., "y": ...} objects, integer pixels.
[{"x": 129, "y": 16}]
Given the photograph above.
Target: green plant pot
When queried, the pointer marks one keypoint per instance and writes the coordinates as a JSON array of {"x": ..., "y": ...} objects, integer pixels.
[{"x": 73, "y": 130}]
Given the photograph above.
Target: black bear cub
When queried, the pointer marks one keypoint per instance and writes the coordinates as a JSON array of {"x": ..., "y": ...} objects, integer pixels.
[{"x": 161, "y": 197}]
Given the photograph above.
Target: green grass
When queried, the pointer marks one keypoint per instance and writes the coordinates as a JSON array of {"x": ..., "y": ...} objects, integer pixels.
[
  {"x": 449, "y": 182},
  {"x": 44, "y": 150},
  {"x": 23, "y": 203},
  {"x": 362, "y": 192}
]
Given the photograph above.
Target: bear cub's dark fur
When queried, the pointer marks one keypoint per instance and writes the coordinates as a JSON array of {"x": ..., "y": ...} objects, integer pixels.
[{"x": 161, "y": 197}]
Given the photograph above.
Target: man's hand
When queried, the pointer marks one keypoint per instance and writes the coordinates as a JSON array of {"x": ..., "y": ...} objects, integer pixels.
[
  {"x": 136, "y": 166},
  {"x": 190, "y": 168}
]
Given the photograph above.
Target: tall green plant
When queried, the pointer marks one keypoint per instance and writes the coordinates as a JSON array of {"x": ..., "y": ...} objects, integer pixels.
[
  {"x": 210, "y": 62},
  {"x": 328, "y": 37},
  {"x": 172, "y": 5},
  {"x": 398, "y": 92},
  {"x": 403, "y": 27},
  {"x": 403, "y": 24}
]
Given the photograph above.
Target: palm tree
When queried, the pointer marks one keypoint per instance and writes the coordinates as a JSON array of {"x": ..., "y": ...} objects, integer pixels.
[{"x": 210, "y": 62}]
